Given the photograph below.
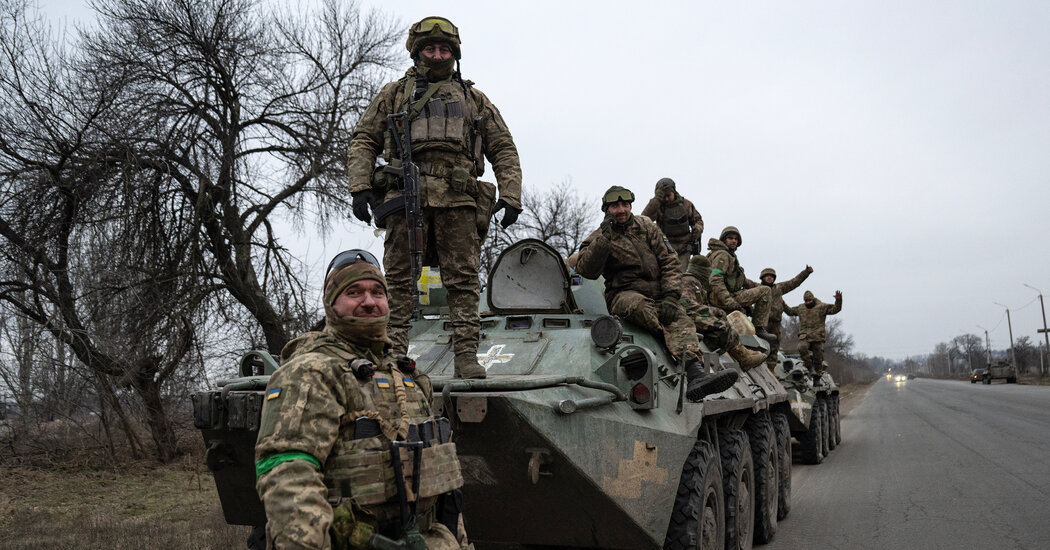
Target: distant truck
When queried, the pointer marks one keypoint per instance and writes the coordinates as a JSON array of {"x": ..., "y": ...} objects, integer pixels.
[{"x": 1003, "y": 370}]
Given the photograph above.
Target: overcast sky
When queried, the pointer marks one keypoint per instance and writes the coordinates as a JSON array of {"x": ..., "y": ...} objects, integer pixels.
[{"x": 901, "y": 148}]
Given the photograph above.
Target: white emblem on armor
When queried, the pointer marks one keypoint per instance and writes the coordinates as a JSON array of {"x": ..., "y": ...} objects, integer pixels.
[{"x": 494, "y": 355}]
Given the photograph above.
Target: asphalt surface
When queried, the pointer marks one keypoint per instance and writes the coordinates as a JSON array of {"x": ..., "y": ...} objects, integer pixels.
[{"x": 930, "y": 464}]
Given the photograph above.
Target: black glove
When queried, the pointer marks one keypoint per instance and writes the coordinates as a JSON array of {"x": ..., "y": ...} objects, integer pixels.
[
  {"x": 669, "y": 309},
  {"x": 362, "y": 200},
  {"x": 510, "y": 214},
  {"x": 694, "y": 247}
]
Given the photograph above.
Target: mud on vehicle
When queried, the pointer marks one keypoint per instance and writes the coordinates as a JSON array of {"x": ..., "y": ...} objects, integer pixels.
[{"x": 581, "y": 424}]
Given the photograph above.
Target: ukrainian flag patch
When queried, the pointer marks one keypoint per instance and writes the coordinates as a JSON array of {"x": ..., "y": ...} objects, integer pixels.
[
  {"x": 409, "y": 383},
  {"x": 273, "y": 394},
  {"x": 382, "y": 382}
]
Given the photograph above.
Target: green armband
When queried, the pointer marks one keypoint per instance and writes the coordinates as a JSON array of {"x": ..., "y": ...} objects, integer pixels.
[
  {"x": 269, "y": 463},
  {"x": 717, "y": 271}
]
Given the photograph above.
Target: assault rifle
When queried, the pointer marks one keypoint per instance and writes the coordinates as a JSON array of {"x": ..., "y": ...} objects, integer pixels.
[{"x": 399, "y": 124}]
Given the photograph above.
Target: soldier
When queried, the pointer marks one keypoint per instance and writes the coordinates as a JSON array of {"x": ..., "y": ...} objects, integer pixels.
[
  {"x": 710, "y": 321},
  {"x": 777, "y": 304},
  {"x": 730, "y": 289},
  {"x": 811, "y": 332},
  {"x": 677, "y": 218},
  {"x": 331, "y": 411},
  {"x": 453, "y": 128},
  {"x": 643, "y": 285}
]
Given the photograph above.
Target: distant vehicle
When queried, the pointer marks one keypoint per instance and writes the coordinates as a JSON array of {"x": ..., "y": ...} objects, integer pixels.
[
  {"x": 900, "y": 378},
  {"x": 911, "y": 376},
  {"x": 1002, "y": 370},
  {"x": 978, "y": 375}
]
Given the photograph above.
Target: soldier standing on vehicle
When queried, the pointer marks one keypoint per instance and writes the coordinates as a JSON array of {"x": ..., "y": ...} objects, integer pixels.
[
  {"x": 340, "y": 397},
  {"x": 777, "y": 304},
  {"x": 643, "y": 285},
  {"x": 711, "y": 321},
  {"x": 677, "y": 218},
  {"x": 811, "y": 331},
  {"x": 730, "y": 289},
  {"x": 453, "y": 128}
]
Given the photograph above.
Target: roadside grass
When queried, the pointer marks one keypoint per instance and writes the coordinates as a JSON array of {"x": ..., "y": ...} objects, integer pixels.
[{"x": 130, "y": 507}]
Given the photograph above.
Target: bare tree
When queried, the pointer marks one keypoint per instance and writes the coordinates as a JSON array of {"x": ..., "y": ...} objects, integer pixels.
[
  {"x": 558, "y": 217},
  {"x": 143, "y": 170}
]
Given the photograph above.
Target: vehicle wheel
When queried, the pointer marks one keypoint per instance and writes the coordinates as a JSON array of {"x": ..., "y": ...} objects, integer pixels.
[
  {"x": 973, "y": 381},
  {"x": 1011, "y": 380},
  {"x": 698, "y": 519},
  {"x": 837, "y": 432},
  {"x": 738, "y": 479},
  {"x": 783, "y": 431},
  {"x": 987, "y": 380},
  {"x": 825, "y": 433},
  {"x": 810, "y": 442},
  {"x": 764, "y": 453}
]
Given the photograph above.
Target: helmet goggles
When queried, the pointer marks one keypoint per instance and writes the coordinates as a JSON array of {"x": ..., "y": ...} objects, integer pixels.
[
  {"x": 618, "y": 195},
  {"x": 427, "y": 26},
  {"x": 348, "y": 257}
]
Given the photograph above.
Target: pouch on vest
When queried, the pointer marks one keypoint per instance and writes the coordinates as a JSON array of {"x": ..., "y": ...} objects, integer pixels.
[
  {"x": 462, "y": 182},
  {"x": 364, "y": 472}
]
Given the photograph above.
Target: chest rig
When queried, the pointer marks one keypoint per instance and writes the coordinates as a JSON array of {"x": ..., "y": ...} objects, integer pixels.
[
  {"x": 675, "y": 220},
  {"x": 385, "y": 405}
]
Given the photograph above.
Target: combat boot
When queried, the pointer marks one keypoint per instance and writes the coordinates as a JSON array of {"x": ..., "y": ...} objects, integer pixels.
[
  {"x": 766, "y": 335},
  {"x": 748, "y": 358},
  {"x": 467, "y": 366},
  {"x": 701, "y": 384}
]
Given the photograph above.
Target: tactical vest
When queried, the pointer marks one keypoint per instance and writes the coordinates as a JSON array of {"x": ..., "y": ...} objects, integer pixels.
[
  {"x": 735, "y": 280},
  {"x": 674, "y": 220},
  {"x": 444, "y": 130},
  {"x": 359, "y": 467}
]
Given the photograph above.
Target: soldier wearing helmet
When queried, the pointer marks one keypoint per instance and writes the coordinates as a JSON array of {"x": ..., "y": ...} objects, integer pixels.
[
  {"x": 777, "y": 304},
  {"x": 643, "y": 285},
  {"x": 677, "y": 218},
  {"x": 812, "y": 314},
  {"x": 453, "y": 128},
  {"x": 730, "y": 288}
]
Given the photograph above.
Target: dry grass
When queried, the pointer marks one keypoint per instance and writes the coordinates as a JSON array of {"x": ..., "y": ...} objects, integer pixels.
[{"x": 136, "y": 506}]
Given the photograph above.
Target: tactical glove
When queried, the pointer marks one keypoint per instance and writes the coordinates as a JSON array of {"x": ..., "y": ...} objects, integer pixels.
[
  {"x": 669, "y": 309},
  {"x": 362, "y": 200},
  {"x": 510, "y": 214},
  {"x": 694, "y": 247}
]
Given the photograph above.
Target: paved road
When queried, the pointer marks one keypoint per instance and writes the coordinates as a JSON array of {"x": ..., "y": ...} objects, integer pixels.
[{"x": 930, "y": 464}]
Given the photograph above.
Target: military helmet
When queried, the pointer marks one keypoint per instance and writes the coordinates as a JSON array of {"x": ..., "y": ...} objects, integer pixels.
[
  {"x": 664, "y": 184},
  {"x": 430, "y": 30},
  {"x": 730, "y": 229},
  {"x": 700, "y": 267},
  {"x": 616, "y": 194},
  {"x": 767, "y": 271}
]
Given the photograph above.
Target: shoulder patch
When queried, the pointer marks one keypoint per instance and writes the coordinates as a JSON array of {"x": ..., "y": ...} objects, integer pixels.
[
  {"x": 273, "y": 394},
  {"x": 382, "y": 382},
  {"x": 408, "y": 382}
]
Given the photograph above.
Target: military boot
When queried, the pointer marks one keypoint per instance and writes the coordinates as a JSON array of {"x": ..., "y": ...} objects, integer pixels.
[
  {"x": 748, "y": 358},
  {"x": 766, "y": 335},
  {"x": 701, "y": 384},
  {"x": 467, "y": 366}
]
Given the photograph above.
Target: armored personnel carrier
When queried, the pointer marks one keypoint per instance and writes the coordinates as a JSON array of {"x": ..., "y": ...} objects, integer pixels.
[
  {"x": 580, "y": 437},
  {"x": 814, "y": 418}
]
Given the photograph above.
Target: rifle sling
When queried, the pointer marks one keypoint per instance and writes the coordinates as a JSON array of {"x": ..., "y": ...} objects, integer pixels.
[
  {"x": 417, "y": 107},
  {"x": 389, "y": 207}
]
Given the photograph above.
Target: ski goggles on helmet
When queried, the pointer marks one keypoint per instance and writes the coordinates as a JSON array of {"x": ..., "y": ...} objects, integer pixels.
[
  {"x": 618, "y": 195},
  {"x": 348, "y": 257},
  {"x": 444, "y": 25}
]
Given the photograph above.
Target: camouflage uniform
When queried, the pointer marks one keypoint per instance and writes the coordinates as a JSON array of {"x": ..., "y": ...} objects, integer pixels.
[
  {"x": 811, "y": 330},
  {"x": 777, "y": 306},
  {"x": 452, "y": 133},
  {"x": 639, "y": 268},
  {"x": 323, "y": 485},
  {"x": 679, "y": 220},
  {"x": 709, "y": 320},
  {"x": 730, "y": 289}
]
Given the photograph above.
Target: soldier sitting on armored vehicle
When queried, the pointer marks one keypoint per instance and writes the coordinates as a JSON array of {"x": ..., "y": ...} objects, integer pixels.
[
  {"x": 811, "y": 332},
  {"x": 709, "y": 320},
  {"x": 335, "y": 413},
  {"x": 643, "y": 285},
  {"x": 731, "y": 290}
]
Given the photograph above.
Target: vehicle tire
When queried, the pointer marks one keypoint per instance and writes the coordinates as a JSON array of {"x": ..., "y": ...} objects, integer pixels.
[
  {"x": 826, "y": 431},
  {"x": 738, "y": 480},
  {"x": 810, "y": 441},
  {"x": 765, "y": 455},
  {"x": 837, "y": 432},
  {"x": 1011, "y": 380},
  {"x": 783, "y": 431},
  {"x": 987, "y": 380},
  {"x": 698, "y": 519},
  {"x": 973, "y": 381}
]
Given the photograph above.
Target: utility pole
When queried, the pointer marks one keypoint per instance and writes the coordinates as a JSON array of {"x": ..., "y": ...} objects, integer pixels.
[
  {"x": 987, "y": 347},
  {"x": 1010, "y": 326},
  {"x": 1046, "y": 333}
]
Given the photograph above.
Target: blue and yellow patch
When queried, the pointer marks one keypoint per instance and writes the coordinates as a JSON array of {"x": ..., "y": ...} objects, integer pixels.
[
  {"x": 273, "y": 394},
  {"x": 409, "y": 383},
  {"x": 382, "y": 382}
]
